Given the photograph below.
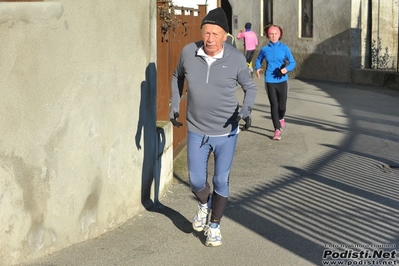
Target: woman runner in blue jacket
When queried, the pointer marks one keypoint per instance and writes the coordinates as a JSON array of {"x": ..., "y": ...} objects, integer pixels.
[{"x": 279, "y": 61}]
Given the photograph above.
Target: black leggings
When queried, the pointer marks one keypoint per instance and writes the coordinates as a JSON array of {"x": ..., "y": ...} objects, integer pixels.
[
  {"x": 277, "y": 93},
  {"x": 249, "y": 55}
]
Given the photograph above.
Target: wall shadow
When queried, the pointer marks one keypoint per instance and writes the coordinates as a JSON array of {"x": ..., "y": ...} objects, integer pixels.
[
  {"x": 147, "y": 132},
  {"x": 154, "y": 140}
]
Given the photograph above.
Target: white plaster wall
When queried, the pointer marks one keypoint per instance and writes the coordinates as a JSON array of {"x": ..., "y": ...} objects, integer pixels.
[{"x": 76, "y": 82}]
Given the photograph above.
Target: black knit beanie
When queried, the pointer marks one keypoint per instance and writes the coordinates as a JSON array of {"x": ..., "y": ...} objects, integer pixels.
[{"x": 218, "y": 17}]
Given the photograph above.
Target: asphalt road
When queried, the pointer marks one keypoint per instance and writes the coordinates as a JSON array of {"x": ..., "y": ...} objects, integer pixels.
[{"x": 328, "y": 188}]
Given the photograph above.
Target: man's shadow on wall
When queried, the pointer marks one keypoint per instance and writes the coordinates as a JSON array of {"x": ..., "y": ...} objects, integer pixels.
[{"x": 153, "y": 145}]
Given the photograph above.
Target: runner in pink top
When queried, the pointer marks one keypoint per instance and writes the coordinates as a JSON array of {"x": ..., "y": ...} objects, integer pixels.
[{"x": 250, "y": 42}]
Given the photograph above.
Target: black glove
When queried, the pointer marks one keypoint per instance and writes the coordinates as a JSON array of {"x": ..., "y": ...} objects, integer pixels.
[
  {"x": 174, "y": 120},
  {"x": 247, "y": 120},
  {"x": 246, "y": 115},
  {"x": 283, "y": 66}
]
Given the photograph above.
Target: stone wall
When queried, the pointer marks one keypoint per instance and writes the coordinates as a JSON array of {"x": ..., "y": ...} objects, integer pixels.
[{"x": 387, "y": 79}]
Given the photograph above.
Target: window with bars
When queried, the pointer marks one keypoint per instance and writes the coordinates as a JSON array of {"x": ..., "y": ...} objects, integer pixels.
[{"x": 307, "y": 18}]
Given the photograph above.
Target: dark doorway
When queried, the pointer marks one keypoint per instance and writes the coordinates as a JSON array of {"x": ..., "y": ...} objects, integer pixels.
[{"x": 227, "y": 8}]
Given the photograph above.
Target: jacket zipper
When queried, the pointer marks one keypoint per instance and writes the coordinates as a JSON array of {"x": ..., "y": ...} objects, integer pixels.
[{"x": 207, "y": 74}]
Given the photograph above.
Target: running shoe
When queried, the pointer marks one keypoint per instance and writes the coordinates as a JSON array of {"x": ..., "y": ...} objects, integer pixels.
[
  {"x": 251, "y": 70},
  {"x": 213, "y": 235},
  {"x": 283, "y": 126},
  {"x": 277, "y": 135},
  {"x": 200, "y": 219}
]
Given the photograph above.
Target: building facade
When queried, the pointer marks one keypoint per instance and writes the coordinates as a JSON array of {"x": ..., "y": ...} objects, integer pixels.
[
  {"x": 329, "y": 39},
  {"x": 337, "y": 40}
]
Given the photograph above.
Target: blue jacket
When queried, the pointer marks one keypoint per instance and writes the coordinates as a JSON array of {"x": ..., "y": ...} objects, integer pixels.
[{"x": 275, "y": 54}]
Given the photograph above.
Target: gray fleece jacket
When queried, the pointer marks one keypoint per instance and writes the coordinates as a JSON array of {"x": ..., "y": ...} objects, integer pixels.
[{"x": 212, "y": 105}]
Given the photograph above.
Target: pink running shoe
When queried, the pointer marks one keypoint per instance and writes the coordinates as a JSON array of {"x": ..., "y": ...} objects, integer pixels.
[
  {"x": 277, "y": 135},
  {"x": 283, "y": 126}
]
